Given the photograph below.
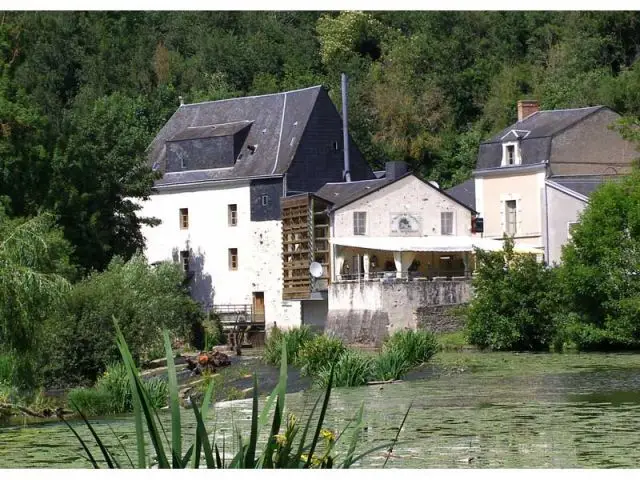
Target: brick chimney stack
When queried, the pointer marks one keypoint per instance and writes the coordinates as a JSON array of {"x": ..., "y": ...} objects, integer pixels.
[{"x": 526, "y": 108}]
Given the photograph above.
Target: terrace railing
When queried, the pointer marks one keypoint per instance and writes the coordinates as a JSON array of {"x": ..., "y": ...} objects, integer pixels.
[{"x": 450, "y": 275}]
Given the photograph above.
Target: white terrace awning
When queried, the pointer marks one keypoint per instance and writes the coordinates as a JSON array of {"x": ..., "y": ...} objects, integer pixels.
[{"x": 436, "y": 243}]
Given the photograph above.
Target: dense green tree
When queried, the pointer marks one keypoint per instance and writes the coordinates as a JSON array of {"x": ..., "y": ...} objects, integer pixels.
[
  {"x": 97, "y": 169},
  {"x": 600, "y": 272},
  {"x": 425, "y": 87},
  {"x": 34, "y": 273},
  {"x": 514, "y": 302},
  {"x": 145, "y": 299}
]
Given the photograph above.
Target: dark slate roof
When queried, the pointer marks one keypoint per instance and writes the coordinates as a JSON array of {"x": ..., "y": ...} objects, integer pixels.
[
  {"x": 341, "y": 193},
  {"x": 208, "y": 131},
  {"x": 535, "y": 133},
  {"x": 278, "y": 121},
  {"x": 583, "y": 184},
  {"x": 465, "y": 193}
]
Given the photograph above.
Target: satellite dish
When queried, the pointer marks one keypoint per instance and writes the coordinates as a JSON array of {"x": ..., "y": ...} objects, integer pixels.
[{"x": 315, "y": 269}]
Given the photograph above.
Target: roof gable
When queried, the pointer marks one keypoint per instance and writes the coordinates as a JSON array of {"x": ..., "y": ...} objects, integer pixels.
[
  {"x": 344, "y": 193},
  {"x": 534, "y": 134},
  {"x": 273, "y": 121},
  {"x": 545, "y": 123}
]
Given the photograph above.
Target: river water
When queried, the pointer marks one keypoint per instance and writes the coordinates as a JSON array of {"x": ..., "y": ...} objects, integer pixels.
[{"x": 470, "y": 410}]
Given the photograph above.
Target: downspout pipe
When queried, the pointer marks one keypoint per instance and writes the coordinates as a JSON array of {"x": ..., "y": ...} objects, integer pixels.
[{"x": 345, "y": 130}]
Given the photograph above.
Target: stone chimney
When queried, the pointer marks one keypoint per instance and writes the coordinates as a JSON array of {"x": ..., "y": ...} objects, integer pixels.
[
  {"x": 395, "y": 170},
  {"x": 526, "y": 108}
]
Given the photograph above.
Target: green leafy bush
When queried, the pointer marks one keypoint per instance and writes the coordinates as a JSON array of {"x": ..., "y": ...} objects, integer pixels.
[
  {"x": 514, "y": 302},
  {"x": 112, "y": 393},
  {"x": 293, "y": 338},
  {"x": 213, "y": 332},
  {"x": 146, "y": 299},
  {"x": 91, "y": 401},
  {"x": 353, "y": 368},
  {"x": 416, "y": 347},
  {"x": 321, "y": 351}
]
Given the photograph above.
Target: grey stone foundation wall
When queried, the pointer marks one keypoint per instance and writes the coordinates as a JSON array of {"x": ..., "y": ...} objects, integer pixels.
[
  {"x": 366, "y": 312},
  {"x": 440, "y": 318}
]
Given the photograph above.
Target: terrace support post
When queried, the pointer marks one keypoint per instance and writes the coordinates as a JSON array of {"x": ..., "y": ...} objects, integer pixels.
[
  {"x": 403, "y": 261},
  {"x": 365, "y": 260},
  {"x": 466, "y": 261},
  {"x": 397, "y": 258},
  {"x": 339, "y": 264}
]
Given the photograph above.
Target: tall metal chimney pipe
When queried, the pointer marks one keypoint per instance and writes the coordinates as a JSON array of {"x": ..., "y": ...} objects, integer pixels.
[{"x": 345, "y": 130}]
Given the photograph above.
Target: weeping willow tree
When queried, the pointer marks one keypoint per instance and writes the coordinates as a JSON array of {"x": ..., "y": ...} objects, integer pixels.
[{"x": 34, "y": 272}]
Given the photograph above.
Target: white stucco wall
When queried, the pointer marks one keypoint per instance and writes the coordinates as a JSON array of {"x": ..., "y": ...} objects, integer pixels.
[
  {"x": 210, "y": 237},
  {"x": 562, "y": 209},
  {"x": 408, "y": 195}
]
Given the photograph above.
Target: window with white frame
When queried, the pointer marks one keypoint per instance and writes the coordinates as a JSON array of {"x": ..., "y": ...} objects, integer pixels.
[
  {"x": 359, "y": 223},
  {"x": 446, "y": 223},
  {"x": 511, "y": 154},
  {"x": 511, "y": 216},
  {"x": 232, "y": 211},
  {"x": 184, "y": 259}
]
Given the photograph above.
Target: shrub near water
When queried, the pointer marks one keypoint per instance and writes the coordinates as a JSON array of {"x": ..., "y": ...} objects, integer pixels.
[
  {"x": 112, "y": 393},
  {"x": 391, "y": 365},
  {"x": 352, "y": 369},
  {"x": 415, "y": 347},
  {"x": 321, "y": 351},
  {"x": 294, "y": 338}
]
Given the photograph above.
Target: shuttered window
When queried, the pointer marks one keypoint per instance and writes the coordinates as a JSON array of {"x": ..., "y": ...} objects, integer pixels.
[
  {"x": 233, "y": 215},
  {"x": 184, "y": 218},
  {"x": 359, "y": 223},
  {"x": 511, "y": 216},
  {"x": 233, "y": 259},
  {"x": 446, "y": 223}
]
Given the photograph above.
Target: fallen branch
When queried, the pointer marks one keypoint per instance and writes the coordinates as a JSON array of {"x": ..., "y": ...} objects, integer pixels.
[
  {"x": 382, "y": 382},
  {"x": 46, "y": 413}
]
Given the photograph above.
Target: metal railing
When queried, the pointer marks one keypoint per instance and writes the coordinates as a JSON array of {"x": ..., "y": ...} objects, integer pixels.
[
  {"x": 391, "y": 276},
  {"x": 238, "y": 314}
]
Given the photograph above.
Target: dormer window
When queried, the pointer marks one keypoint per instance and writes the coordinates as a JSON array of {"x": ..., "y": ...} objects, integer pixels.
[{"x": 511, "y": 154}]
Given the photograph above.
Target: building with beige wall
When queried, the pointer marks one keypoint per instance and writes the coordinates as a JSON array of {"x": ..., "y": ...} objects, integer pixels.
[
  {"x": 517, "y": 186},
  {"x": 371, "y": 220}
]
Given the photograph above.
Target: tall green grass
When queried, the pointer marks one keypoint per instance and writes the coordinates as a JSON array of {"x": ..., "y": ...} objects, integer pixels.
[
  {"x": 353, "y": 368},
  {"x": 112, "y": 393},
  {"x": 294, "y": 339},
  {"x": 290, "y": 444},
  {"x": 391, "y": 365},
  {"x": 321, "y": 351},
  {"x": 416, "y": 347}
]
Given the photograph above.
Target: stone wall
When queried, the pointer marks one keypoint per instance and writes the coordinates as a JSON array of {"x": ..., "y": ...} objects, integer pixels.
[
  {"x": 366, "y": 312},
  {"x": 439, "y": 318}
]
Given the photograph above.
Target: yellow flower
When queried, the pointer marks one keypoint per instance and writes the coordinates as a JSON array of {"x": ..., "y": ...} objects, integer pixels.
[
  {"x": 280, "y": 439},
  {"x": 328, "y": 435}
]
